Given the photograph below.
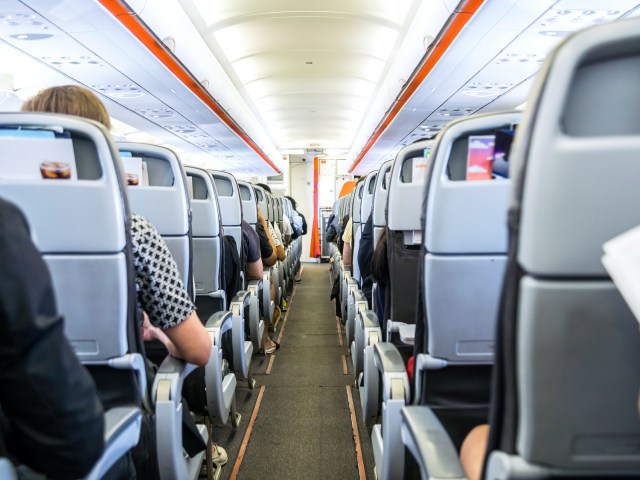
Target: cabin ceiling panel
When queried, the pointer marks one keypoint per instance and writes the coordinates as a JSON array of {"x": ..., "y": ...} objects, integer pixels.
[
  {"x": 81, "y": 43},
  {"x": 510, "y": 42}
]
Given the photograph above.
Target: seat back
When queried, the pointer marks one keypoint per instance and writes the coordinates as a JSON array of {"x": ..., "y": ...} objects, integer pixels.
[
  {"x": 70, "y": 184},
  {"x": 261, "y": 198},
  {"x": 230, "y": 205},
  {"x": 207, "y": 243},
  {"x": 366, "y": 204},
  {"x": 381, "y": 191},
  {"x": 271, "y": 215},
  {"x": 465, "y": 240},
  {"x": 249, "y": 203},
  {"x": 162, "y": 197},
  {"x": 404, "y": 231},
  {"x": 563, "y": 325},
  {"x": 279, "y": 211},
  {"x": 357, "y": 226}
]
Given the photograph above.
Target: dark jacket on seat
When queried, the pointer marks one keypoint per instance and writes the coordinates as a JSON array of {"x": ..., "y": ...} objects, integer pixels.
[{"x": 51, "y": 417}]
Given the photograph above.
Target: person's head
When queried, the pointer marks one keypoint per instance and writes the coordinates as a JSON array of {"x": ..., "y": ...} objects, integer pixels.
[
  {"x": 70, "y": 100},
  {"x": 293, "y": 202},
  {"x": 264, "y": 186}
]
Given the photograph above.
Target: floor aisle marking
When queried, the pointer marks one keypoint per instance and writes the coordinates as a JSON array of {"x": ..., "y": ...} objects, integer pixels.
[
  {"x": 245, "y": 440},
  {"x": 339, "y": 328},
  {"x": 345, "y": 370},
  {"x": 284, "y": 322},
  {"x": 356, "y": 435},
  {"x": 286, "y": 315},
  {"x": 270, "y": 365}
]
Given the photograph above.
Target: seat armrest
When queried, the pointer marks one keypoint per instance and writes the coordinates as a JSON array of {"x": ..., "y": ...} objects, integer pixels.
[
  {"x": 254, "y": 287},
  {"x": 429, "y": 443},
  {"x": 242, "y": 299},
  {"x": 369, "y": 319},
  {"x": 388, "y": 359},
  {"x": 395, "y": 381},
  {"x": 217, "y": 324},
  {"x": 121, "y": 433},
  {"x": 175, "y": 371}
]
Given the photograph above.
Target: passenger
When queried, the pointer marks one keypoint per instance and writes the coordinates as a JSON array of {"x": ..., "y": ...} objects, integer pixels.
[
  {"x": 51, "y": 419},
  {"x": 347, "y": 238},
  {"x": 160, "y": 291},
  {"x": 298, "y": 228},
  {"x": 365, "y": 254},
  {"x": 276, "y": 235},
  {"x": 269, "y": 258},
  {"x": 252, "y": 265}
]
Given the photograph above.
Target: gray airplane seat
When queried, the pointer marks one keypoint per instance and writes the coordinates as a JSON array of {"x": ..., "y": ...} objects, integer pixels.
[
  {"x": 70, "y": 184},
  {"x": 162, "y": 197},
  {"x": 230, "y": 205},
  {"x": 379, "y": 208},
  {"x": 211, "y": 300},
  {"x": 404, "y": 237},
  {"x": 157, "y": 190},
  {"x": 249, "y": 203},
  {"x": 464, "y": 258},
  {"x": 565, "y": 387},
  {"x": 385, "y": 388},
  {"x": 568, "y": 345},
  {"x": 266, "y": 304},
  {"x": 254, "y": 287},
  {"x": 238, "y": 307},
  {"x": 356, "y": 227},
  {"x": 207, "y": 243}
]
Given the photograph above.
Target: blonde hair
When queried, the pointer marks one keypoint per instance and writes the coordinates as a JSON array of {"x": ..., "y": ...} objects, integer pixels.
[{"x": 71, "y": 100}]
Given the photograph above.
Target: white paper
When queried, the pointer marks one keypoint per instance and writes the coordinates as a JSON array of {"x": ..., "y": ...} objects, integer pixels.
[
  {"x": 132, "y": 170},
  {"x": 37, "y": 158},
  {"x": 622, "y": 261}
]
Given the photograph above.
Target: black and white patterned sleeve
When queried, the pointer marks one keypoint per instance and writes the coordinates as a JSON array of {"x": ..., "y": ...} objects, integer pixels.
[{"x": 160, "y": 290}]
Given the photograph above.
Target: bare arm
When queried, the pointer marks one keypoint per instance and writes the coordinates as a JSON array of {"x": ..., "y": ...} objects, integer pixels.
[
  {"x": 191, "y": 340},
  {"x": 254, "y": 270},
  {"x": 346, "y": 254}
]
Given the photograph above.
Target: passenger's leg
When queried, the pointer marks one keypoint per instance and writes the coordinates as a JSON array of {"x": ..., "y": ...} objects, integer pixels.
[{"x": 473, "y": 451}]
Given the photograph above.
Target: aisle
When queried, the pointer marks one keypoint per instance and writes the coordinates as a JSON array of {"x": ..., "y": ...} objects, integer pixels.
[{"x": 303, "y": 426}]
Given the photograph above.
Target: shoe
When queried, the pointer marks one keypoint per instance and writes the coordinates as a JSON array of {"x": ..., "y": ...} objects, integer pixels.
[
  {"x": 297, "y": 279},
  {"x": 283, "y": 305},
  {"x": 218, "y": 454},
  {"x": 271, "y": 350}
]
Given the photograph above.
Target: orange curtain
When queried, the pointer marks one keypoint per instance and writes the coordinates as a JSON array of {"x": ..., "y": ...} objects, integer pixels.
[{"x": 314, "y": 249}]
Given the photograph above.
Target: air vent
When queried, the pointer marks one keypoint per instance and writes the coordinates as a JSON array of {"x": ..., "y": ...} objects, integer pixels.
[
  {"x": 481, "y": 90},
  {"x": 182, "y": 128},
  {"x": 81, "y": 60},
  {"x": 119, "y": 91},
  {"x": 155, "y": 112}
]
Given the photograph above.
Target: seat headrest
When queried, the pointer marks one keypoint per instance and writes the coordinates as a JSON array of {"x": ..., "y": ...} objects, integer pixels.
[
  {"x": 204, "y": 203},
  {"x": 406, "y": 184},
  {"x": 68, "y": 181},
  {"x": 228, "y": 198},
  {"x": 157, "y": 186},
  {"x": 580, "y": 137},
  {"x": 467, "y": 197},
  {"x": 380, "y": 194}
]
